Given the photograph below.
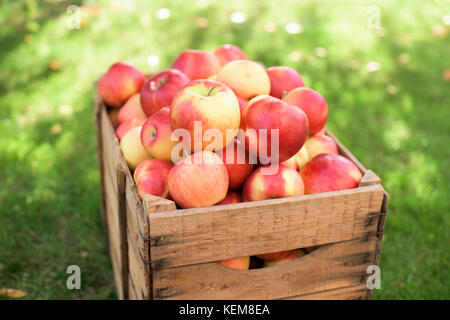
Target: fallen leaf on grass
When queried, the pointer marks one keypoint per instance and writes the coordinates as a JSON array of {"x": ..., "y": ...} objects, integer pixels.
[
  {"x": 54, "y": 65},
  {"x": 12, "y": 293},
  {"x": 56, "y": 128}
]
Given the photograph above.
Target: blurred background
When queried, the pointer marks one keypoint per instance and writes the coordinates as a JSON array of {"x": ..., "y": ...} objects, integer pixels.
[{"x": 383, "y": 67}]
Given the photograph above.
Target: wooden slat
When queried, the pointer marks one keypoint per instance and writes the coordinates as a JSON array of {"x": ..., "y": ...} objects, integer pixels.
[
  {"x": 332, "y": 266},
  {"x": 132, "y": 295},
  {"x": 139, "y": 275},
  {"x": 123, "y": 229},
  {"x": 358, "y": 292},
  {"x": 138, "y": 245},
  {"x": 369, "y": 178},
  {"x": 116, "y": 272},
  {"x": 183, "y": 237},
  {"x": 112, "y": 213}
]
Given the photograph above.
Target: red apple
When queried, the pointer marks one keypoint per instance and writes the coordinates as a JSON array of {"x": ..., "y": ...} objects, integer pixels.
[
  {"x": 298, "y": 160},
  {"x": 156, "y": 135},
  {"x": 286, "y": 182},
  {"x": 197, "y": 64},
  {"x": 214, "y": 106},
  {"x": 246, "y": 78},
  {"x": 159, "y": 90},
  {"x": 264, "y": 114},
  {"x": 329, "y": 172},
  {"x": 283, "y": 79},
  {"x": 227, "y": 52},
  {"x": 298, "y": 253},
  {"x": 318, "y": 144},
  {"x": 274, "y": 255},
  {"x": 237, "y": 263},
  {"x": 199, "y": 180},
  {"x": 131, "y": 109},
  {"x": 132, "y": 148},
  {"x": 120, "y": 82},
  {"x": 313, "y": 104},
  {"x": 150, "y": 177},
  {"x": 238, "y": 163},
  {"x": 232, "y": 197},
  {"x": 127, "y": 126}
]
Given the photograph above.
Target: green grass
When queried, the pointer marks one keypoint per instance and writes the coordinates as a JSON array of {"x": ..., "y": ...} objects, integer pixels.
[{"x": 395, "y": 120}]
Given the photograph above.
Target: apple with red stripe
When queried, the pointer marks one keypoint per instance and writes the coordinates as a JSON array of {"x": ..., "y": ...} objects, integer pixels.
[
  {"x": 283, "y": 79},
  {"x": 151, "y": 177},
  {"x": 285, "y": 182},
  {"x": 246, "y": 78},
  {"x": 197, "y": 64},
  {"x": 227, "y": 52},
  {"x": 213, "y": 104},
  {"x": 329, "y": 172},
  {"x": 313, "y": 104},
  {"x": 200, "y": 180},
  {"x": 128, "y": 125},
  {"x": 159, "y": 90},
  {"x": 266, "y": 112},
  {"x": 318, "y": 144},
  {"x": 156, "y": 135},
  {"x": 131, "y": 109},
  {"x": 120, "y": 82},
  {"x": 238, "y": 163}
]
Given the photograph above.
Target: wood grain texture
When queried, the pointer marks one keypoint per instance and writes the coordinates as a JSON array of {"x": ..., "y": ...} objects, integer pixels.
[
  {"x": 111, "y": 202},
  {"x": 332, "y": 266},
  {"x": 122, "y": 229},
  {"x": 358, "y": 292},
  {"x": 369, "y": 178},
  {"x": 138, "y": 245},
  {"x": 189, "y": 236}
]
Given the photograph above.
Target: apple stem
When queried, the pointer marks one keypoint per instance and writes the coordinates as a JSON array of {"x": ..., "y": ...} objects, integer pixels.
[
  {"x": 211, "y": 90},
  {"x": 284, "y": 94}
]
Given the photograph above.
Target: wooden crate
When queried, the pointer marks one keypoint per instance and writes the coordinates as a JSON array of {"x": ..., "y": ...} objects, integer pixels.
[{"x": 159, "y": 252}]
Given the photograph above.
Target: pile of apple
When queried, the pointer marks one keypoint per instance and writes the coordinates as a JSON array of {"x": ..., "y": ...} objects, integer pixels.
[{"x": 224, "y": 91}]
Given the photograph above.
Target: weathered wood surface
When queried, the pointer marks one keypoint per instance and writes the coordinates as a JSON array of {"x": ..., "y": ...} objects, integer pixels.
[
  {"x": 183, "y": 237},
  {"x": 138, "y": 247},
  {"x": 332, "y": 266},
  {"x": 113, "y": 216},
  {"x": 358, "y": 292}
]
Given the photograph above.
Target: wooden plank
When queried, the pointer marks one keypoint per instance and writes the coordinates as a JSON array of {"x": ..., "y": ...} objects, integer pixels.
[
  {"x": 132, "y": 295},
  {"x": 123, "y": 237},
  {"x": 112, "y": 213},
  {"x": 116, "y": 272},
  {"x": 358, "y": 292},
  {"x": 369, "y": 178},
  {"x": 332, "y": 266},
  {"x": 138, "y": 245},
  {"x": 139, "y": 275},
  {"x": 189, "y": 236}
]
